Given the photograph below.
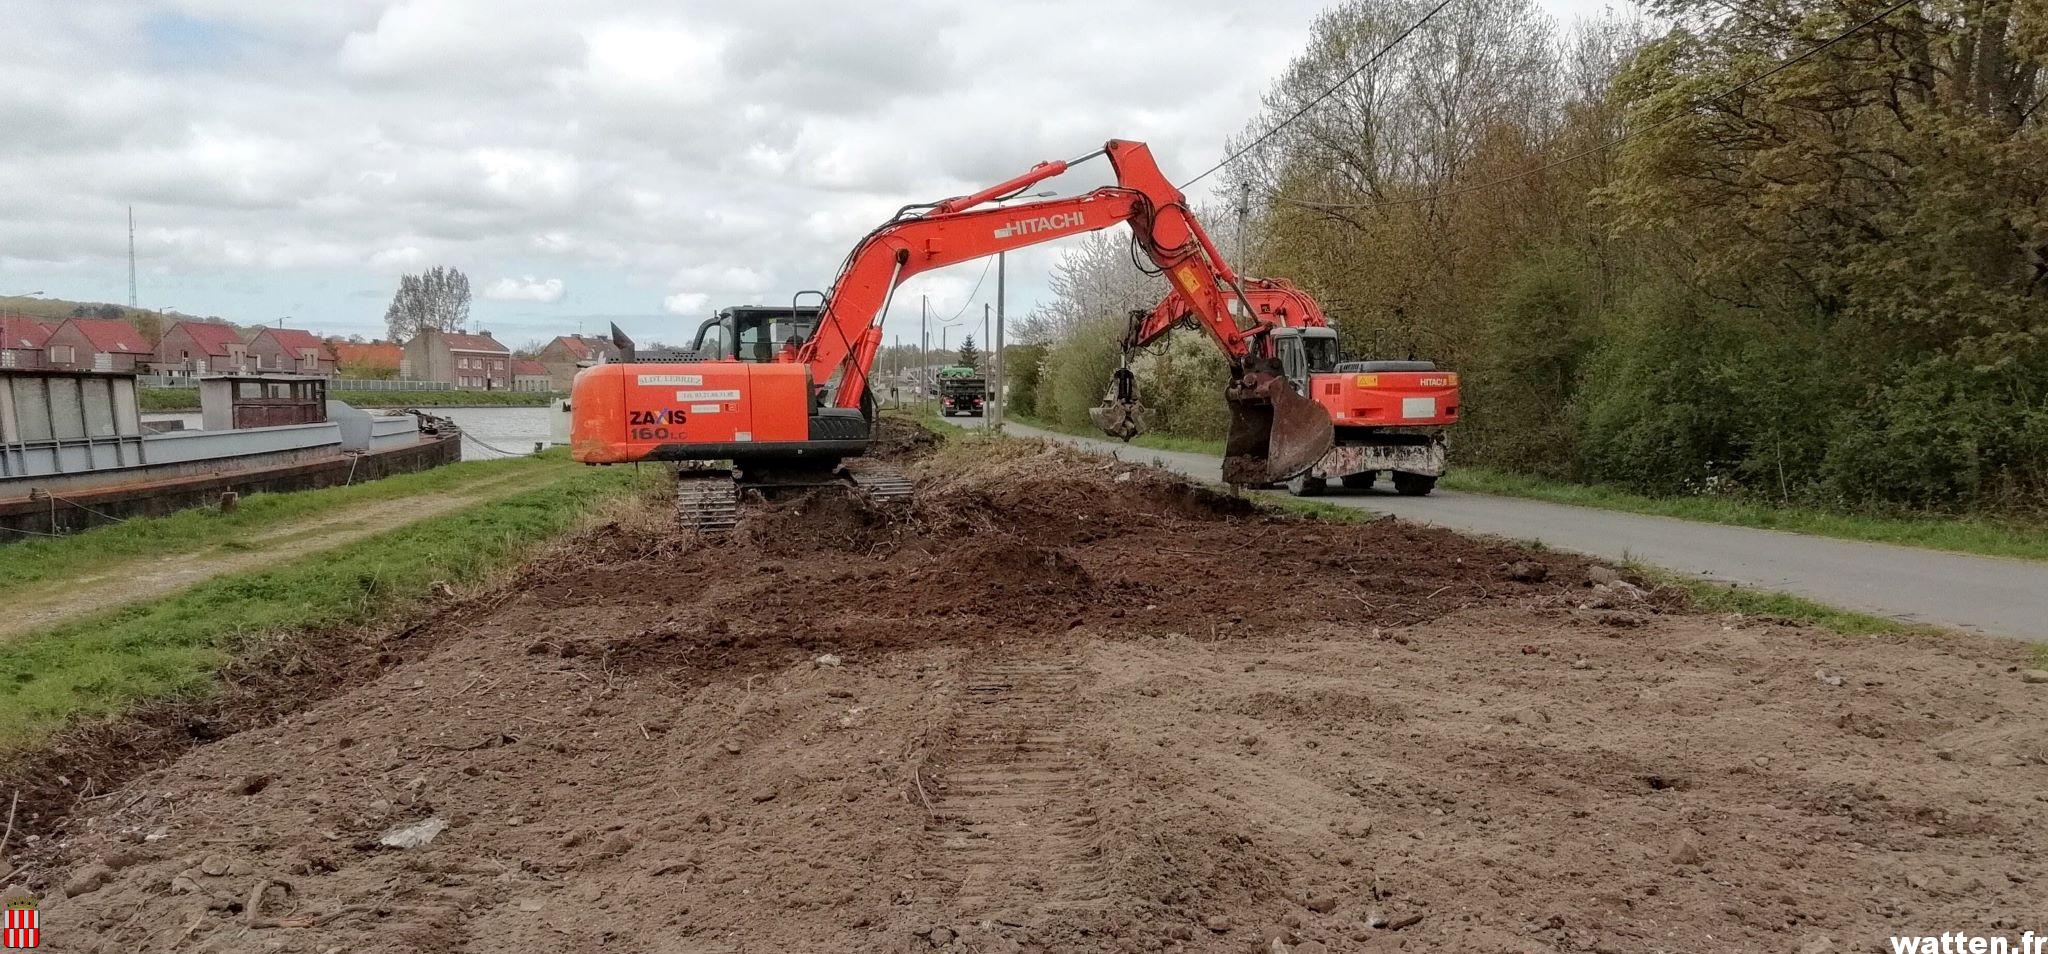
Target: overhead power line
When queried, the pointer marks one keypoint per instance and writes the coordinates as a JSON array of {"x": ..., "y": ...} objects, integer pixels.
[
  {"x": 1603, "y": 147},
  {"x": 1326, "y": 94}
]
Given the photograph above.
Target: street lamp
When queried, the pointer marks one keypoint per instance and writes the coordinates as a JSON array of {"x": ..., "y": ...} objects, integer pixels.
[{"x": 25, "y": 294}]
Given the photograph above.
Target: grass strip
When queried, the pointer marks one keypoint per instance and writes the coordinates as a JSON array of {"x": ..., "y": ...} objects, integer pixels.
[
  {"x": 103, "y": 663},
  {"x": 47, "y": 558}
]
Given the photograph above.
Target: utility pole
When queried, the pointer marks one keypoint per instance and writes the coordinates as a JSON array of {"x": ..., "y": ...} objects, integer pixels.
[
  {"x": 995, "y": 363},
  {"x": 131, "y": 256},
  {"x": 1244, "y": 211},
  {"x": 985, "y": 339}
]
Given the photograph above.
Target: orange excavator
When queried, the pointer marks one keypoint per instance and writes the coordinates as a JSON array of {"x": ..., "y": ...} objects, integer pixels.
[
  {"x": 783, "y": 393},
  {"x": 1376, "y": 416}
]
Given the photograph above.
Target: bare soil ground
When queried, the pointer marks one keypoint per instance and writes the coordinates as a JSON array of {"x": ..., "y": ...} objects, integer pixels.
[{"x": 1067, "y": 705}]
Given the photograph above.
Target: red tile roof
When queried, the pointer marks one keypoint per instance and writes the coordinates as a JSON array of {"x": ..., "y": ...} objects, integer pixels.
[
  {"x": 110, "y": 335},
  {"x": 583, "y": 348},
  {"x": 462, "y": 342},
  {"x": 212, "y": 337},
  {"x": 25, "y": 334},
  {"x": 369, "y": 355},
  {"x": 528, "y": 366},
  {"x": 293, "y": 341}
]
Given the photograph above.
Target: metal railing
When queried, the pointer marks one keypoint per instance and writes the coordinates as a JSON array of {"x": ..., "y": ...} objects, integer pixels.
[{"x": 333, "y": 384}]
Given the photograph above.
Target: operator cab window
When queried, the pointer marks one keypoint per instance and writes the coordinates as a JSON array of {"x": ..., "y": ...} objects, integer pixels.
[{"x": 1321, "y": 354}]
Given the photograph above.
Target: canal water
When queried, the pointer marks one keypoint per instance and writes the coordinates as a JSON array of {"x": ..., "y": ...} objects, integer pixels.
[{"x": 487, "y": 432}]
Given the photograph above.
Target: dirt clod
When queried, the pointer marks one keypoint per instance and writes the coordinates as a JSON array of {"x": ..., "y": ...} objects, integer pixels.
[{"x": 87, "y": 880}]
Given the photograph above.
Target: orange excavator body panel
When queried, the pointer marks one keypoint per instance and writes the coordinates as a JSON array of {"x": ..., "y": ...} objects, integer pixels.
[
  {"x": 1387, "y": 398},
  {"x": 708, "y": 410}
]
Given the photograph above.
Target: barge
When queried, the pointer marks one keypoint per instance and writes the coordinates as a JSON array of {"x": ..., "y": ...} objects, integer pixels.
[{"x": 76, "y": 453}]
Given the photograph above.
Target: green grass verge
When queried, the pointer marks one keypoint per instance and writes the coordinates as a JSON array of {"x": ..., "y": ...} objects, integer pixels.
[
  {"x": 1723, "y": 598},
  {"x": 40, "y": 559},
  {"x": 187, "y": 399},
  {"x": 1162, "y": 442},
  {"x": 1961, "y": 535},
  {"x": 102, "y": 664}
]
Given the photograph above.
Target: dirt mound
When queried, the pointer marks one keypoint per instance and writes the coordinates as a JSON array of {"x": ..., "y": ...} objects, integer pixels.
[
  {"x": 900, "y": 440},
  {"x": 1059, "y": 705}
]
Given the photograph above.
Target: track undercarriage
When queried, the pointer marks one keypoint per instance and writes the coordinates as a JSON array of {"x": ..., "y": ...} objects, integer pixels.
[{"x": 709, "y": 496}]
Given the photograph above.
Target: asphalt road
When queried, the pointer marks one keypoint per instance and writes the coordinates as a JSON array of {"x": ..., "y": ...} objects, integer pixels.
[{"x": 1990, "y": 595}]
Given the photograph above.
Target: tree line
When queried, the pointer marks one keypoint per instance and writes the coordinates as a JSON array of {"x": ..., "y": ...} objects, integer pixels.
[{"x": 1655, "y": 265}]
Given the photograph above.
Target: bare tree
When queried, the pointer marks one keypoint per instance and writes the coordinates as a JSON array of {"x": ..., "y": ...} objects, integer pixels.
[{"x": 436, "y": 300}]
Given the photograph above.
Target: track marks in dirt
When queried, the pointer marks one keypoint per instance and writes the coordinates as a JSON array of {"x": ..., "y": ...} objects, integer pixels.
[{"x": 1011, "y": 819}]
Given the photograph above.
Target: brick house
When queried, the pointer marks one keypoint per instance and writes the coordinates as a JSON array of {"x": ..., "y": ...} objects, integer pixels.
[
  {"x": 200, "y": 347},
  {"x": 375, "y": 360},
  {"x": 291, "y": 350},
  {"x": 568, "y": 354},
  {"x": 21, "y": 342},
  {"x": 530, "y": 375},
  {"x": 96, "y": 344},
  {"x": 475, "y": 362}
]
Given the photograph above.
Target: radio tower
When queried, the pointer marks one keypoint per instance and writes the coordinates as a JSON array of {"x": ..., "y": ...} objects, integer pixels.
[{"x": 131, "y": 256}]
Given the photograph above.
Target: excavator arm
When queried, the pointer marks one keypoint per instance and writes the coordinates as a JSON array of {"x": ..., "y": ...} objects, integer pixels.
[
  {"x": 1274, "y": 433},
  {"x": 965, "y": 228}
]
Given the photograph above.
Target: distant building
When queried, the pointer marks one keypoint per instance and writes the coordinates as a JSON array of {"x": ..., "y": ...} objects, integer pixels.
[
  {"x": 477, "y": 362},
  {"x": 192, "y": 348},
  {"x": 531, "y": 375},
  {"x": 378, "y": 359},
  {"x": 568, "y": 354},
  {"x": 291, "y": 350},
  {"x": 21, "y": 343},
  {"x": 97, "y": 344}
]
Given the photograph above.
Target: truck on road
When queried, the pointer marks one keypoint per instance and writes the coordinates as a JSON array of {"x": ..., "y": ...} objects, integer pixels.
[{"x": 962, "y": 390}]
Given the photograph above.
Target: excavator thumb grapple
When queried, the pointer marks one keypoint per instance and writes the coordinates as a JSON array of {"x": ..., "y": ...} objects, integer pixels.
[
  {"x": 1120, "y": 415},
  {"x": 1275, "y": 433}
]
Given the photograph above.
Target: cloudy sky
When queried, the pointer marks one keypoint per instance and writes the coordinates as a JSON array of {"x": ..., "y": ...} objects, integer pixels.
[{"x": 584, "y": 162}]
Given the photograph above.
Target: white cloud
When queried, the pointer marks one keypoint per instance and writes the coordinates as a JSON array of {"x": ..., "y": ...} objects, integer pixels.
[
  {"x": 409, "y": 256},
  {"x": 525, "y": 289},
  {"x": 286, "y": 157},
  {"x": 686, "y": 303}
]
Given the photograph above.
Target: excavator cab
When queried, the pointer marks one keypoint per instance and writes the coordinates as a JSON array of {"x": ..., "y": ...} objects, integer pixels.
[
  {"x": 1305, "y": 351},
  {"x": 752, "y": 333}
]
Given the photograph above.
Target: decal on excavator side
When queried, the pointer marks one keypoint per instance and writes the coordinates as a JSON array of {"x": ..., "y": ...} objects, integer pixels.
[{"x": 1043, "y": 223}]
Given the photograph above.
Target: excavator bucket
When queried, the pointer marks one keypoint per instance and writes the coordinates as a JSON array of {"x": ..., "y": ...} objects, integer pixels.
[
  {"x": 1120, "y": 415},
  {"x": 1275, "y": 433}
]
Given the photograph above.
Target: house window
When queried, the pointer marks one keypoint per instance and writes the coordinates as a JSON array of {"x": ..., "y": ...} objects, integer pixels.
[
  {"x": 6, "y": 359},
  {"x": 63, "y": 354},
  {"x": 309, "y": 359}
]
